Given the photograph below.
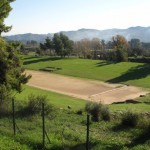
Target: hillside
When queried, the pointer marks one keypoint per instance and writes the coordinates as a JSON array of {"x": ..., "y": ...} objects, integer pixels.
[
  {"x": 28, "y": 37},
  {"x": 142, "y": 33}
]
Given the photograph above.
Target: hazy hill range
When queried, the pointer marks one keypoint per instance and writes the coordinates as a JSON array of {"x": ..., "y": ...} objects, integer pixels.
[
  {"x": 142, "y": 33},
  {"x": 28, "y": 37}
]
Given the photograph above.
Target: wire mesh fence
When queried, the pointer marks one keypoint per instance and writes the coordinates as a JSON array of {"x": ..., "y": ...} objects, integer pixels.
[{"x": 46, "y": 130}]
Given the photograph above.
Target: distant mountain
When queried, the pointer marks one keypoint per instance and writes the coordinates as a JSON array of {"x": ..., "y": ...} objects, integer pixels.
[
  {"x": 28, "y": 37},
  {"x": 142, "y": 33}
]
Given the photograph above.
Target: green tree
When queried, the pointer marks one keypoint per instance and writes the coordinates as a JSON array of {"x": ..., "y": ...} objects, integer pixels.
[
  {"x": 58, "y": 45},
  {"x": 48, "y": 45},
  {"x": 42, "y": 49},
  {"x": 5, "y": 8},
  {"x": 11, "y": 71},
  {"x": 120, "y": 47},
  {"x": 67, "y": 43},
  {"x": 62, "y": 44}
]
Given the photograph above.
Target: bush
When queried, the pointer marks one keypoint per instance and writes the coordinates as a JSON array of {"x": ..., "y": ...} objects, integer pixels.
[
  {"x": 34, "y": 105},
  {"x": 98, "y": 111},
  {"x": 105, "y": 113},
  {"x": 88, "y": 56},
  {"x": 130, "y": 119},
  {"x": 144, "y": 122},
  {"x": 80, "y": 112}
]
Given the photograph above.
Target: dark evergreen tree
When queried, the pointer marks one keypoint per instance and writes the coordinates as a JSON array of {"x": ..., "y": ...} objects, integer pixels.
[
  {"x": 5, "y": 8},
  {"x": 62, "y": 44},
  {"x": 11, "y": 71},
  {"x": 58, "y": 44}
]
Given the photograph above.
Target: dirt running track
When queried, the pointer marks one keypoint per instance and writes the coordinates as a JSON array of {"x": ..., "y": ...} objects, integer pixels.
[{"x": 84, "y": 89}]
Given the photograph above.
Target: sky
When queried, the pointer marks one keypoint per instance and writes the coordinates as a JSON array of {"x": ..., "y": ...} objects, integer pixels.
[{"x": 51, "y": 16}]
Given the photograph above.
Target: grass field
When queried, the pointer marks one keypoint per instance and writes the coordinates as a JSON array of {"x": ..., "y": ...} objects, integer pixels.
[
  {"x": 137, "y": 74},
  {"x": 66, "y": 129}
]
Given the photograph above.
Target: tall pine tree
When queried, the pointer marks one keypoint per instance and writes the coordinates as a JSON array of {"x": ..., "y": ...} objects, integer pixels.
[
  {"x": 5, "y": 8},
  {"x": 11, "y": 71}
]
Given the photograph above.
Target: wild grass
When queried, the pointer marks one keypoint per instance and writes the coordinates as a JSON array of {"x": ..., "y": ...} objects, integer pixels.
[{"x": 67, "y": 130}]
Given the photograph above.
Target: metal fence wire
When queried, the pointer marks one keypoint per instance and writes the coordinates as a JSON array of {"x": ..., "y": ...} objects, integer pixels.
[{"x": 67, "y": 131}]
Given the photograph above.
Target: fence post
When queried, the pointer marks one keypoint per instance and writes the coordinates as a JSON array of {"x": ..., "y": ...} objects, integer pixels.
[
  {"x": 13, "y": 115},
  {"x": 43, "y": 125},
  {"x": 87, "y": 133}
]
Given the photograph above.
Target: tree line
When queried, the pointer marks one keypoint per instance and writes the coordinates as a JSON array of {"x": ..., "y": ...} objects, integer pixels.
[{"x": 117, "y": 49}]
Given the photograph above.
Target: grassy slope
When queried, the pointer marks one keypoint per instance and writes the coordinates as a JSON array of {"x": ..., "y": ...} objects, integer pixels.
[
  {"x": 62, "y": 101},
  {"x": 130, "y": 73},
  {"x": 103, "y": 135},
  {"x": 74, "y": 134},
  {"x": 59, "y": 100}
]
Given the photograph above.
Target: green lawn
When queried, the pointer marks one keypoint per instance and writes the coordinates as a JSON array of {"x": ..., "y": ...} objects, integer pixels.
[
  {"x": 137, "y": 74},
  {"x": 59, "y": 100}
]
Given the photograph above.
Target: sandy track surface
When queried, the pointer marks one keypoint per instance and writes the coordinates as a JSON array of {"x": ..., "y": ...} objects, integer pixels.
[{"x": 84, "y": 89}]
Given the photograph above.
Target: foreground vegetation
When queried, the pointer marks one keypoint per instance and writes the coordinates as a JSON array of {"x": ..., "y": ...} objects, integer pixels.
[{"x": 66, "y": 127}]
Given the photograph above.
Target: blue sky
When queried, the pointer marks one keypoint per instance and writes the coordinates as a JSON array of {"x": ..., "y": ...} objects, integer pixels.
[{"x": 50, "y": 16}]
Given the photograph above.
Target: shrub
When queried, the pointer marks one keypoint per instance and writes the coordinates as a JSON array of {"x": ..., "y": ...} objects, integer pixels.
[
  {"x": 88, "y": 56},
  {"x": 105, "y": 113},
  {"x": 98, "y": 111},
  {"x": 80, "y": 112},
  {"x": 144, "y": 122},
  {"x": 130, "y": 119},
  {"x": 34, "y": 105}
]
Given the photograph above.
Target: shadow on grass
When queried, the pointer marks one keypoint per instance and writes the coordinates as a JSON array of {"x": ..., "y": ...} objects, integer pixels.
[
  {"x": 50, "y": 69},
  {"x": 141, "y": 139},
  {"x": 28, "y": 62},
  {"x": 31, "y": 57},
  {"x": 120, "y": 127},
  {"x": 128, "y": 101},
  {"x": 135, "y": 73},
  {"x": 104, "y": 63},
  {"x": 98, "y": 145},
  {"x": 82, "y": 146}
]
